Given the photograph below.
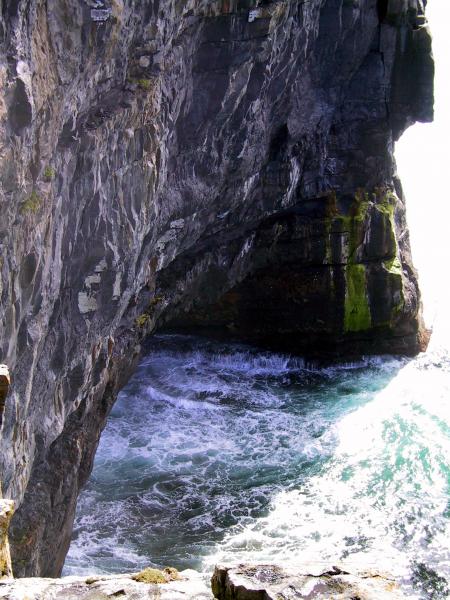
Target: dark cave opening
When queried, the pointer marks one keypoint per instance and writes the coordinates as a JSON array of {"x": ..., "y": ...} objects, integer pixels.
[
  {"x": 279, "y": 142},
  {"x": 382, "y": 8}
]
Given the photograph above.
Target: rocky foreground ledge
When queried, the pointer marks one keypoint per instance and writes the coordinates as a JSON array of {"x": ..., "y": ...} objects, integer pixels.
[
  {"x": 314, "y": 582},
  {"x": 243, "y": 582},
  {"x": 189, "y": 585}
]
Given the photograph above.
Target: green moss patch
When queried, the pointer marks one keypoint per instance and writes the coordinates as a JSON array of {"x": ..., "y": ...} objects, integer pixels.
[
  {"x": 150, "y": 575},
  {"x": 385, "y": 201},
  {"x": 144, "y": 84},
  {"x": 32, "y": 204},
  {"x": 357, "y": 312},
  {"x": 394, "y": 266},
  {"x": 49, "y": 174},
  {"x": 142, "y": 320}
]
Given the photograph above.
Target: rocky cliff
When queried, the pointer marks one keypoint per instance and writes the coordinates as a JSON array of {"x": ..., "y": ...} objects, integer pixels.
[{"x": 218, "y": 165}]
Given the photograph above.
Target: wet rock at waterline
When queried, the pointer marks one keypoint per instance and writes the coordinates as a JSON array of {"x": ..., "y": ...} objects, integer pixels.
[
  {"x": 312, "y": 582},
  {"x": 208, "y": 165}
]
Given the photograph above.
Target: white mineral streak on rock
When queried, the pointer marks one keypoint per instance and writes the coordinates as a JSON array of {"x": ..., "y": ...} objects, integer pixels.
[
  {"x": 86, "y": 303},
  {"x": 117, "y": 284},
  {"x": 178, "y": 224}
]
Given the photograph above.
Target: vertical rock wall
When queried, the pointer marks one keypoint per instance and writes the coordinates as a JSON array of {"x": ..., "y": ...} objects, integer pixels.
[{"x": 224, "y": 165}]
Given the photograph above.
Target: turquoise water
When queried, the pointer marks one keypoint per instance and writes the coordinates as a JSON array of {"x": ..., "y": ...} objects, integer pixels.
[{"x": 220, "y": 453}]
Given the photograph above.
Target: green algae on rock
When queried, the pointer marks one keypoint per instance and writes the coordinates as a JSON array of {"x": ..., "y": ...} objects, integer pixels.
[
  {"x": 151, "y": 575},
  {"x": 357, "y": 309},
  {"x": 32, "y": 204}
]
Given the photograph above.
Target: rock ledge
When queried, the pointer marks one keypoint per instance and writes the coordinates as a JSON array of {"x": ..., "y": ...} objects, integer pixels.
[
  {"x": 241, "y": 582},
  {"x": 271, "y": 582},
  {"x": 191, "y": 585}
]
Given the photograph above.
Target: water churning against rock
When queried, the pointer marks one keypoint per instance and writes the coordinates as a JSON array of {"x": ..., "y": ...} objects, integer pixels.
[{"x": 219, "y": 452}]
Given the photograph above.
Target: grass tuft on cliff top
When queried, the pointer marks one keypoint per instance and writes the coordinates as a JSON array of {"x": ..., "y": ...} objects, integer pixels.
[{"x": 150, "y": 575}]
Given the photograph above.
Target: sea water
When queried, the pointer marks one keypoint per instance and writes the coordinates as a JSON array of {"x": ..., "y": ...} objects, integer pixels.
[{"x": 222, "y": 453}]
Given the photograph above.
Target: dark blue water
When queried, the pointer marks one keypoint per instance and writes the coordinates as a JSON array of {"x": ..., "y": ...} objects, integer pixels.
[{"x": 220, "y": 453}]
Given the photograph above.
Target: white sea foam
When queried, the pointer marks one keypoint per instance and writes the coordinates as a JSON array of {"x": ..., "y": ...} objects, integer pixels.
[{"x": 224, "y": 454}]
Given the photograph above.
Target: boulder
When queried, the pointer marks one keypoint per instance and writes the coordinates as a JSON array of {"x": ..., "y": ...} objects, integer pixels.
[{"x": 315, "y": 582}]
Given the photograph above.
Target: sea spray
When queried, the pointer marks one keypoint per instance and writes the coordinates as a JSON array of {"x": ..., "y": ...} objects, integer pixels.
[{"x": 219, "y": 452}]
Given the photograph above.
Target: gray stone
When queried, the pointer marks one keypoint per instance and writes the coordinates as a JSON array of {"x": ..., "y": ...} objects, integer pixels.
[
  {"x": 270, "y": 582},
  {"x": 6, "y": 513},
  {"x": 144, "y": 62},
  {"x": 100, "y": 14},
  {"x": 191, "y": 586}
]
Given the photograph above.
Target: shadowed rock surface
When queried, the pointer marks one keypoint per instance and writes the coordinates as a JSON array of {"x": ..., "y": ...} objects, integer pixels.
[
  {"x": 220, "y": 165},
  {"x": 5, "y": 382}
]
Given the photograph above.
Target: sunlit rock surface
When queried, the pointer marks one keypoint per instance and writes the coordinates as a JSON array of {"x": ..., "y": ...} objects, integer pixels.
[
  {"x": 314, "y": 582},
  {"x": 191, "y": 586},
  {"x": 220, "y": 165},
  {"x": 244, "y": 582},
  {"x": 6, "y": 513}
]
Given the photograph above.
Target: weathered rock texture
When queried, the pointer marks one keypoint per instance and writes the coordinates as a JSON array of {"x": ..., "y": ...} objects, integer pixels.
[
  {"x": 191, "y": 586},
  {"x": 244, "y": 582},
  {"x": 6, "y": 513},
  {"x": 270, "y": 582},
  {"x": 203, "y": 163}
]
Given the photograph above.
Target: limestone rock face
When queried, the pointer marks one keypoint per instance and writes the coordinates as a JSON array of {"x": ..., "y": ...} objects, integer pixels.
[
  {"x": 243, "y": 582},
  {"x": 269, "y": 582},
  {"x": 190, "y": 587},
  {"x": 6, "y": 513},
  {"x": 223, "y": 165}
]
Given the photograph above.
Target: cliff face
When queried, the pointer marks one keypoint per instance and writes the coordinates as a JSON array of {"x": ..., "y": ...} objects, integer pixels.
[{"x": 220, "y": 165}]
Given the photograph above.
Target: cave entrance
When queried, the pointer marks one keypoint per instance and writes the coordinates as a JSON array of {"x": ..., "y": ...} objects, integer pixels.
[{"x": 382, "y": 7}]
